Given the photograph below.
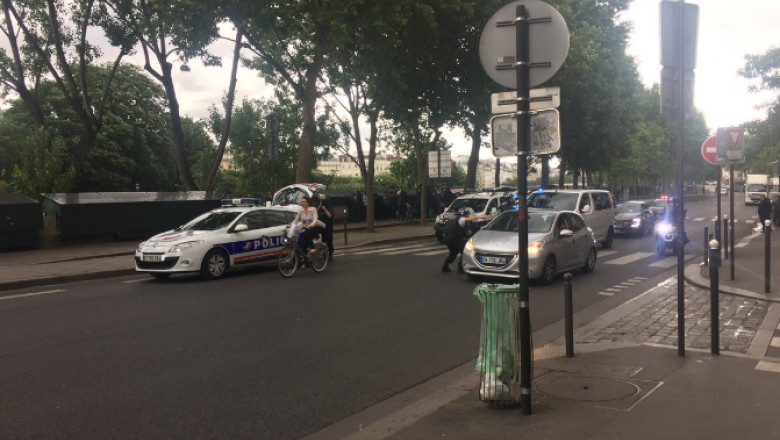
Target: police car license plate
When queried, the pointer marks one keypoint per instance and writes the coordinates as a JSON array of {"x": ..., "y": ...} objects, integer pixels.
[
  {"x": 151, "y": 258},
  {"x": 493, "y": 260}
]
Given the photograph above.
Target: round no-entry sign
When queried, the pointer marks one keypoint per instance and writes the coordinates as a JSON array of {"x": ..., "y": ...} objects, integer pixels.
[{"x": 709, "y": 150}]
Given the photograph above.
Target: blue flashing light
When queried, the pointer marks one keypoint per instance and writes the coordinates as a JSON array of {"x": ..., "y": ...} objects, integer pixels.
[{"x": 541, "y": 190}]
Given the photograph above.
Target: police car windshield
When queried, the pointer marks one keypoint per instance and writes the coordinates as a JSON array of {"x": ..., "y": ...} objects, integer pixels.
[
  {"x": 538, "y": 222},
  {"x": 210, "y": 221},
  {"x": 554, "y": 200},
  {"x": 478, "y": 205}
]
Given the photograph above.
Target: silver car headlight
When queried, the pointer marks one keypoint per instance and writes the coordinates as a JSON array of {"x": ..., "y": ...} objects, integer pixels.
[
  {"x": 178, "y": 248},
  {"x": 535, "y": 248},
  {"x": 140, "y": 246},
  {"x": 469, "y": 245},
  {"x": 636, "y": 222}
]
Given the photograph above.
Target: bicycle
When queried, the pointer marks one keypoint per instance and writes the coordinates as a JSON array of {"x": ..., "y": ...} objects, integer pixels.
[{"x": 291, "y": 257}]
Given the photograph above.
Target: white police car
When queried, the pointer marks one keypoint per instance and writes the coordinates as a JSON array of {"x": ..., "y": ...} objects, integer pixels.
[{"x": 216, "y": 241}]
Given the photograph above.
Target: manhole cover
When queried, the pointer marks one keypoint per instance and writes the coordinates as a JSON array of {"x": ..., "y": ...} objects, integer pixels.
[{"x": 587, "y": 389}]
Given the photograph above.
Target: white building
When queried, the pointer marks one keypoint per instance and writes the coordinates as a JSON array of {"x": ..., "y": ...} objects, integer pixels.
[{"x": 344, "y": 166}]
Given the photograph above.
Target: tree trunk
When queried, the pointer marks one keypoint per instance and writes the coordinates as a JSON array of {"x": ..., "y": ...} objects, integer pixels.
[
  {"x": 545, "y": 182},
  {"x": 309, "y": 100},
  {"x": 497, "y": 177},
  {"x": 177, "y": 133},
  {"x": 576, "y": 178},
  {"x": 471, "y": 172},
  {"x": 79, "y": 155},
  {"x": 215, "y": 164},
  {"x": 369, "y": 179},
  {"x": 562, "y": 175}
]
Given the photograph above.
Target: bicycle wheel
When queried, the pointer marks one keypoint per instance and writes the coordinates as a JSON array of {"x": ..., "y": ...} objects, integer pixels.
[
  {"x": 288, "y": 261},
  {"x": 319, "y": 259}
]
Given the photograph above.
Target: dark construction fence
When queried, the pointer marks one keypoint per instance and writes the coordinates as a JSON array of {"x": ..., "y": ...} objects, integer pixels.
[
  {"x": 125, "y": 215},
  {"x": 20, "y": 220}
]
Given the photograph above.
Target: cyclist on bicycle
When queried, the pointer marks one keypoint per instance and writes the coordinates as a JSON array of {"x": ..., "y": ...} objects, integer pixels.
[{"x": 305, "y": 223}]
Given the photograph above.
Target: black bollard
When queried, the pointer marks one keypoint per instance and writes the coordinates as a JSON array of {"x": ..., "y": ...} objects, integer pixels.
[
  {"x": 346, "y": 217},
  {"x": 767, "y": 255},
  {"x": 714, "y": 297},
  {"x": 568, "y": 314},
  {"x": 726, "y": 237},
  {"x": 706, "y": 250}
]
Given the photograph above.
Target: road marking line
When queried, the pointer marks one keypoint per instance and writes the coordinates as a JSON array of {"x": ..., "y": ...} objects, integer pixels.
[
  {"x": 775, "y": 342},
  {"x": 636, "y": 256},
  {"x": 606, "y": 293},
  {"x": 714, "y": 219},
  {"x": 768, "y": 366},
  {"x": 24, "y": 295},
  {"x": 626, "y": 284},
  {"x": 603, "y": 254},
  {"x": 749, "y": 221},
  {"x": 136, "y": 281},
  {"x": 613, "y": 290},
  {"x": 428, "y": 254},
  {"x": 665, "y": 263},
  {"x": 386, "y": 249},
  {"x": 409, "y": 251},
  {"x": 638, "y": 278},
  {"x": 700, "y": 219}
]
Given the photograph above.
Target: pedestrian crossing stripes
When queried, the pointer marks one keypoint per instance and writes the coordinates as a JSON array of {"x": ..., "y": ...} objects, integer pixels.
[
  {"x": 431, "y": 248},
  {"x": 636, "y": 256}
]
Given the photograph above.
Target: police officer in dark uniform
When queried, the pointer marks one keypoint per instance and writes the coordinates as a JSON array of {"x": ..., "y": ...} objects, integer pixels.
[
  {"x": 325, "y": 215},
  {"x": 456, "y": 232}
]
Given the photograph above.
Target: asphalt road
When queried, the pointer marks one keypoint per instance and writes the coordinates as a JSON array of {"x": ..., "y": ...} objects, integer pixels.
[{"x": 258, "y": 356}]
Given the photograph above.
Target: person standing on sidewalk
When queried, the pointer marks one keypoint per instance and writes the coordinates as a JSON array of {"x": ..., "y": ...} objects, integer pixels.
[
  {"x": 456, "y": 235},
  {"x": 325, "y": 214},
  {"x": 764, "y": 211},
  {"x": 776, "y": 210}
]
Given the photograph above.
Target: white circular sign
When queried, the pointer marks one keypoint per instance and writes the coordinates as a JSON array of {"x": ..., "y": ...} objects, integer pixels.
[{"x": 549, "y": 43}]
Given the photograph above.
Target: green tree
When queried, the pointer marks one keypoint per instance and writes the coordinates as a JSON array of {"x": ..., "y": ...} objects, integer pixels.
[
  {"x": 169, "y": 32},
  {"x": 132, "y": 147},
  {"x": 48, "y": 39},
  {"x": 291, "y": 41}
]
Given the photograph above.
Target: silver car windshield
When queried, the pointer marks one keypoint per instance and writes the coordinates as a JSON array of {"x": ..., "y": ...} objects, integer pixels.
[
  {"x": 554, "y": 201},
  {"x": 210, "y": 221},
  {"x": 538, "y": 222},
  {"x": 629, "y": 208}
]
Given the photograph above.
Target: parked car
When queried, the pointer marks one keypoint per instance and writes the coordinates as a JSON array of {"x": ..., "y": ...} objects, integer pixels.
[
  {"x": 482, "y": 203},
  {"x": 595, "y": 207},
  {"x": 215, "y": 241},
  {"x": 557, "y": 242},
  {"x": 634, "y": 217}
]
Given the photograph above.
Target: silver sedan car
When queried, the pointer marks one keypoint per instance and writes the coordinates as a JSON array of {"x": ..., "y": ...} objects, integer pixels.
[{"x": 557, "y": 242}]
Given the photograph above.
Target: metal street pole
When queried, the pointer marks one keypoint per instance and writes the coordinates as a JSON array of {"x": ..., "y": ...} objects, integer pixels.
[
  {"x": 731, "y": 219},
  {"x": 681, "y": 189},
  {"x": 720, "y": 216},
  {"x": 522, "y": 76}
]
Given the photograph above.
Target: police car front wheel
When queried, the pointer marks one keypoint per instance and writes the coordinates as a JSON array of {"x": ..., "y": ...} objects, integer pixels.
[{"x": 214, "y": 264}]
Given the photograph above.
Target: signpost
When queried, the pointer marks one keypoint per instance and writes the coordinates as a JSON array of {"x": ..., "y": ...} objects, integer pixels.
[
  {"x": 540, "y": 99},
  {"x": 709, "y": 151},
  {"x": 439, "y": 164},
  {"x": 522, "y": 45},
  {"x": 731, "y": 150},
  {"x": 545, "y": 133}
]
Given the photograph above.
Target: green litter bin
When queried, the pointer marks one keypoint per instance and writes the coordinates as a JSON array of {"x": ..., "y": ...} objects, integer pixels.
[{"x": 499, "y": 349}]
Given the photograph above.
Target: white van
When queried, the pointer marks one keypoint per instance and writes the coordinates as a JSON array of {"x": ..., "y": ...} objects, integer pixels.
[{"x": 594, "y": 205}]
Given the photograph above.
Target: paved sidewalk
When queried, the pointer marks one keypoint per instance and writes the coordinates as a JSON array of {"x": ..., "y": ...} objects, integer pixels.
[
  {"x": 749, "y": 268},
  {"x": 102, "y": 257},
  {"x": 625, "y": 382}
]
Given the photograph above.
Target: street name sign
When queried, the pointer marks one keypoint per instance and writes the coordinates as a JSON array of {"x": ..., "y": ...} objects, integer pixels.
[
  {"x": 731, "y": 145},
  {"x": 540, "y": 99},
  {"x": 545, "y": 133},
  {"x": 548, "y": 40}
]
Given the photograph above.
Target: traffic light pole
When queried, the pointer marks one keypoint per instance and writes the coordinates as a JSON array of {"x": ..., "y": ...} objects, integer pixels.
[{"x": 523, "y": 145}]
